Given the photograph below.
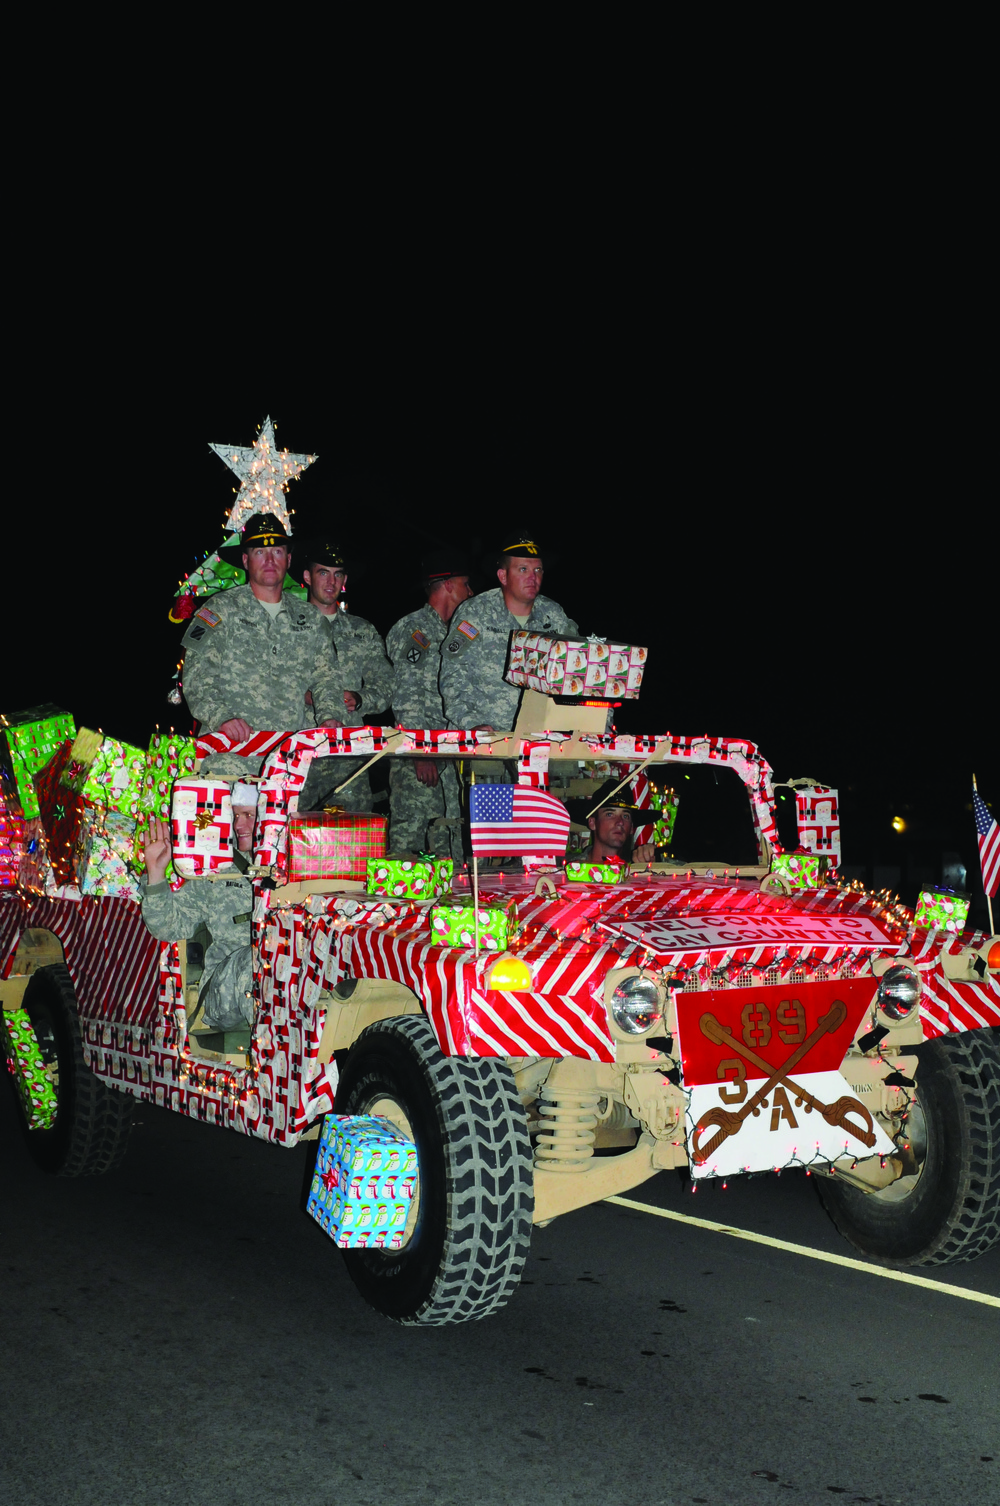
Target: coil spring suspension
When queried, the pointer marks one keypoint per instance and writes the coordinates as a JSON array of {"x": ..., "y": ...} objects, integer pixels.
[{"x": 565, "y": 1140}]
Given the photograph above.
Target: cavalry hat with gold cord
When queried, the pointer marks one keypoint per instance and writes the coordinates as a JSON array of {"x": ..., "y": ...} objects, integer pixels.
[{"x": 262, "y": 531}]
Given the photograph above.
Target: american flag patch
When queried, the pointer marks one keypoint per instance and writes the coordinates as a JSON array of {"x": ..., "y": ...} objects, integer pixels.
[
  {"x": 207, "y": 615},
  {"x": 468, "y": 630},
  {"x": 420, "y": 639}
]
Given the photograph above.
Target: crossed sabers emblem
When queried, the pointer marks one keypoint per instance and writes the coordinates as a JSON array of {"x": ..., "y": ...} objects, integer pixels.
[{"x": 730, "y": 1123}]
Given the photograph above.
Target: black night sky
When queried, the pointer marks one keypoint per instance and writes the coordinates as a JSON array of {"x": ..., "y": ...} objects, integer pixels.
[{"x": 771, "y": 480}]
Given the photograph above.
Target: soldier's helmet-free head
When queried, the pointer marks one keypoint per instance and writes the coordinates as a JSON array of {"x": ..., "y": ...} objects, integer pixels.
[{"x": 261, "y": 531}]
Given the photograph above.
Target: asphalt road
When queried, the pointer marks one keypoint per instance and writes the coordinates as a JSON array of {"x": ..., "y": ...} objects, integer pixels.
[{"x": 179, "y": 1332}]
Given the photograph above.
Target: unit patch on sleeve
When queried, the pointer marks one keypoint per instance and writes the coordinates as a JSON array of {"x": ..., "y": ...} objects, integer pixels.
[{"x": 208, "y": 616}]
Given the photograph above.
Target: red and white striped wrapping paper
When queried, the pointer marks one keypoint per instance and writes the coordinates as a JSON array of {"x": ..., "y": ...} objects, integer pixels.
[{"x": 347, "y": 741}]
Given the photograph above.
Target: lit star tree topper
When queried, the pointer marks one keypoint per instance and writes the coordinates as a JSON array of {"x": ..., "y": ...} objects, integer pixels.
[{"x": 264, "y": 472}]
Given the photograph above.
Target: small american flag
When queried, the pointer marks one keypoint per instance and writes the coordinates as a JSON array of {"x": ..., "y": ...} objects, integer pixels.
[
  {"x": 516, "y": 820},
  {"x": 989, "y": 844}
]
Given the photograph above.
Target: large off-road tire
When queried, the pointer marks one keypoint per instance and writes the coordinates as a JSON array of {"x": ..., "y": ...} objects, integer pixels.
[
  {"x": 471, "y": 1229},
  {"x": 948, "y": 1209},
  {"x": 90, "y": 1131}
]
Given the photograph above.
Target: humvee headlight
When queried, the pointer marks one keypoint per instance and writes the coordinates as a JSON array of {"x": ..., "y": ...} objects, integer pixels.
[
  {"x": 636, "y": 1005},
  {"x": 510, "y": 973},
  {"x": 898, "y": 992}
]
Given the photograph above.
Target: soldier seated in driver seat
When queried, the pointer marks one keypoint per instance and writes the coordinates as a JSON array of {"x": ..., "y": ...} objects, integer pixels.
[
  {"x": 224, "y": 905},
  {"x": 612, "y": 826}
]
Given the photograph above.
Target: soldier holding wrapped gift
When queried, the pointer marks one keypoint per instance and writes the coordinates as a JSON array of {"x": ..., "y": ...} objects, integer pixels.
[
  {"x": 254, "y": 652},
  {"x": 424, "y": 789},
  {"x": 362, "y": 664},
  {"x": 473, "y": 689},
  {"x": 223, "y": 904}
]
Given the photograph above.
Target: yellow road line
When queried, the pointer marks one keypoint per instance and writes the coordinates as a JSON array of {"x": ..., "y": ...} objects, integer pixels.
[{"x": 784, "y": 1244}]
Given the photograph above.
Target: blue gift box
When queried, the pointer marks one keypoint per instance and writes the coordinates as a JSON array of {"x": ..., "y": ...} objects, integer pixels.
[{"x": 364, "y": 1183}]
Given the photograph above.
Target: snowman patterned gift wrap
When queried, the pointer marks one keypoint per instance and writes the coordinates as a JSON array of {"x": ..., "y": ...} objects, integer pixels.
[
  {"x": 455, "y": 925},
  {"x": 942, "y": 909},
  {"x": 357, "y": 1196},
  {"x": 419, "y": 878}
]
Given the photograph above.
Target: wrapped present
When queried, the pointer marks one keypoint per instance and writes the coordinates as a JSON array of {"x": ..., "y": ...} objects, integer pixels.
[
  {"x": 421, "y": 878},
  {"x": 104, "y": 854},
  {"x": 11, "y": 836},
  {"x": 942, "y": 910},
  {"x": 333, "y": 844},
  {"x": 29, "y": 740},
  {"x": 60, "y": 810},
  {"x": 575, "y": 666},
  {"x": 170, "y": 757},
  {"x": 665, "y": 803},
  {"x": 201, "y": 827},
  {"x": 106, "y": 772},
  {"x": 455, "y": 925},
  {"x": 596, "y": 873},
  {"x": 30, "y": 1074},
  {"x": 34, "y": 871},
  {"x": 803, "y": 870},
  {"x": 818, "y": 817},
  {"x": 364, "y": 1183}
]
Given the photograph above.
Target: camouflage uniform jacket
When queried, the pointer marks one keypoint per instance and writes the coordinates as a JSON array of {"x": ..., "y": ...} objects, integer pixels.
[
  {"x": 473, "y": 689},
  {"x": 364, "y": 667},
  {"x": 224, "y": 904},
  {"x": 414, "y": 645},
  {"x": 241, "y": 662}
]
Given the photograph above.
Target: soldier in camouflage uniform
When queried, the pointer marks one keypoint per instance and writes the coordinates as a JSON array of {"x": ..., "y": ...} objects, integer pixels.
[
  {"x": 423, "y": 790},
  {"x": 253, "y": 653},
  {"x": 363, "y": 666},
  {"x": 223, "y": 905},
  {"x": 473, "y": 689}
]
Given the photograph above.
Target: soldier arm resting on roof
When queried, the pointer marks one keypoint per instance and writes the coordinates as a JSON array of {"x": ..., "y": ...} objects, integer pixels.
[{"x": 253, "y": 653}]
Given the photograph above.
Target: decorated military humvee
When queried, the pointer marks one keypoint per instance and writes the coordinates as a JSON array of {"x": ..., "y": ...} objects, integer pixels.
[{"x": 547, "y": 1043}]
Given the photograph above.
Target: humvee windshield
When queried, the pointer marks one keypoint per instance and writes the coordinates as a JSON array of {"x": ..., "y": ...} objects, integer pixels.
[{"x": 714, "y": 822}]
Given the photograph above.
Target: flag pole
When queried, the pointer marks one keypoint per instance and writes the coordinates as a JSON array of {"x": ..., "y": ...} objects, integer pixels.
[
  {"x": 475, "y": 881},
  {"x": 989, "y": 902}
]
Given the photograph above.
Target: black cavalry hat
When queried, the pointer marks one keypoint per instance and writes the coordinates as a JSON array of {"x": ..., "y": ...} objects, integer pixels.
[
  {"x": 260, "y": 531},
  {"x": 317, "y": 550},
  {"x": 520, "y": 543},
  {"x": 442, "y": 564},
  {"x": 622, "y": 801}
]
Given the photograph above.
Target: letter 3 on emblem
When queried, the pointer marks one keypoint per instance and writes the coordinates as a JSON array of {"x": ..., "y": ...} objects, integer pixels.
[{"x": 735, "y": 1091}]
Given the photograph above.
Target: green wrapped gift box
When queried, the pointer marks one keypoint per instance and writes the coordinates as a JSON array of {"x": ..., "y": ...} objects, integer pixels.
[
  {"x": 942, "y": 910},
  {"x": 109, "y": 774},
  {"x": 417, "y": 878},
  {"x": 29, "y": 740},
  {"x": 170, "y": 757},
  {"x": 596, "y": 873},
  {"x": 803, "y": 870},
  {"x": 665, "y": 803},
  {"x": 31, "y": 1078},
  {"x": 455, "y": 925}
]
